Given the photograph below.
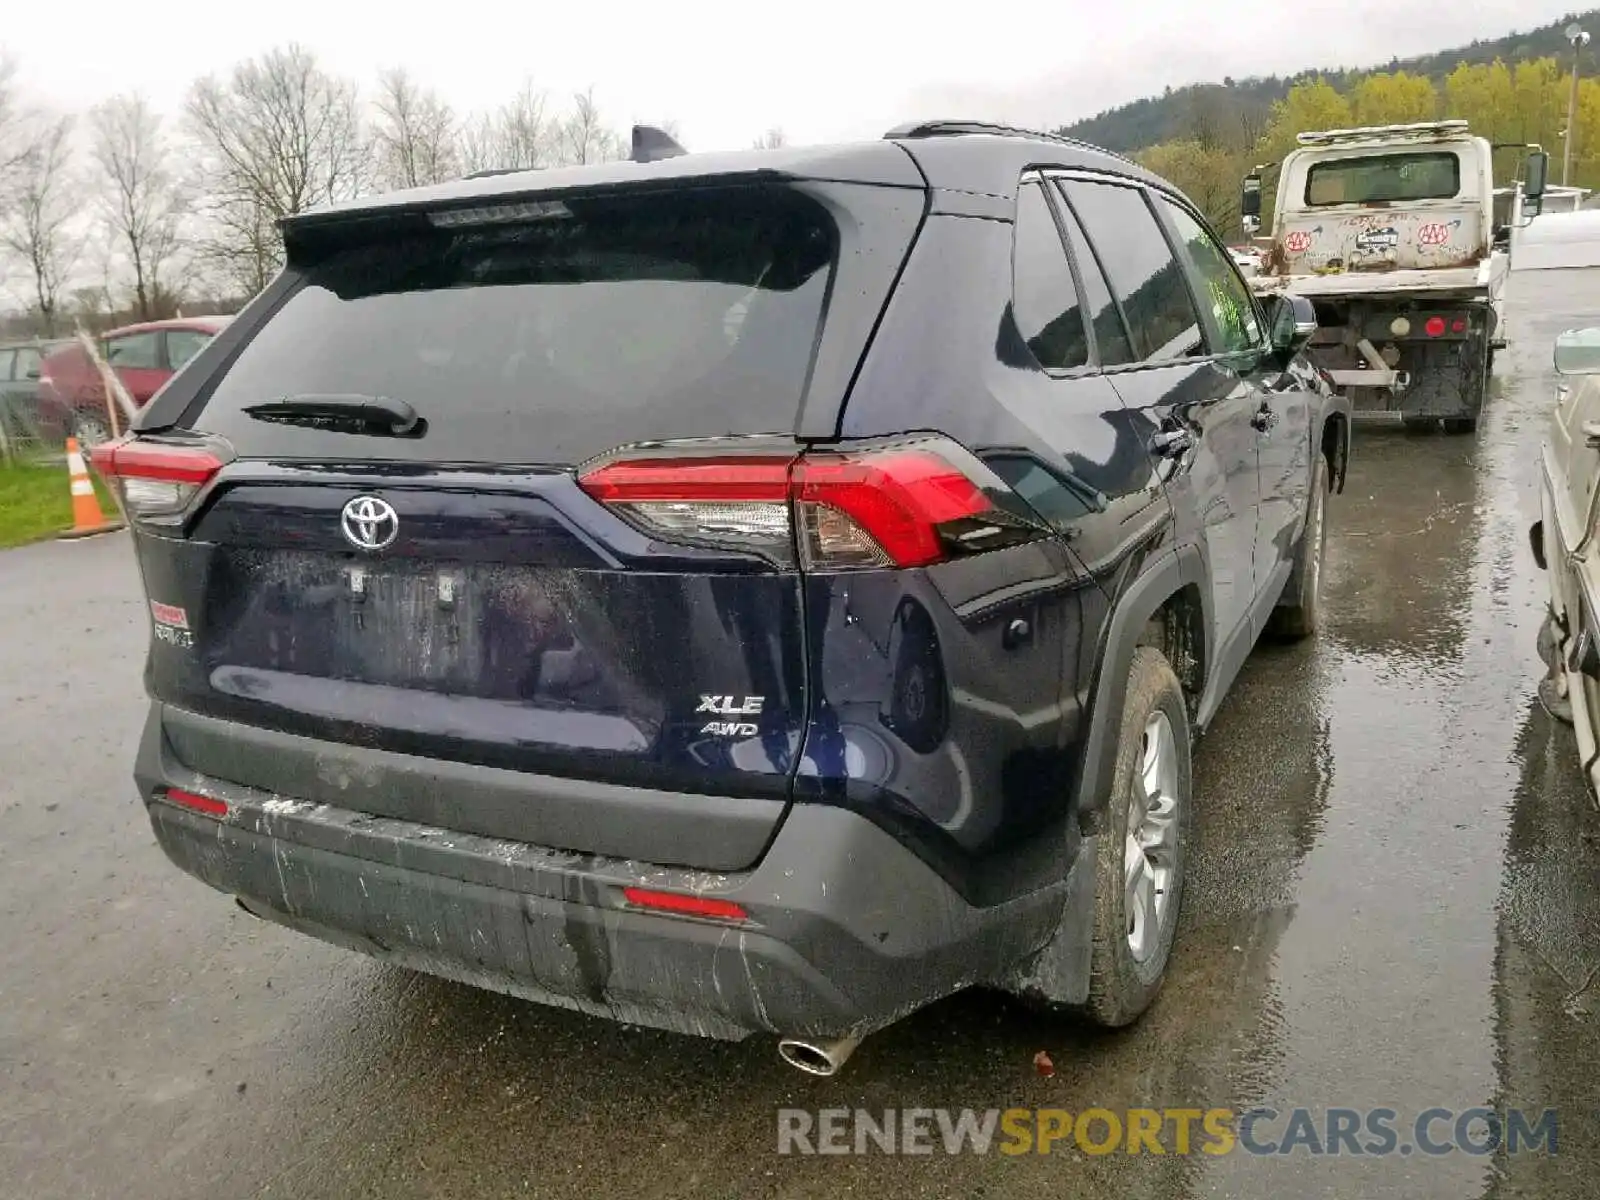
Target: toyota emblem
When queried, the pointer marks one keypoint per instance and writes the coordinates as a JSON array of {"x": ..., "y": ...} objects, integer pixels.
[{"x": 369, "y": 523}]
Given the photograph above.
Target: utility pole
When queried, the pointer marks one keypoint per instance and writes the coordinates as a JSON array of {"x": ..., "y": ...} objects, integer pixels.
[{"x": 1579, "y": 39}]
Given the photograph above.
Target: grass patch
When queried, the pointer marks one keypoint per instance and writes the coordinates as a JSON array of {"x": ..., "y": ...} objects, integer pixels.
[{"x": 36, "y": 503}]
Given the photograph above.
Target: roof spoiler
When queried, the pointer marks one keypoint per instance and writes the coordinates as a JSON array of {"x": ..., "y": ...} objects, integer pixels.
[{"x": 651, "y": 144}]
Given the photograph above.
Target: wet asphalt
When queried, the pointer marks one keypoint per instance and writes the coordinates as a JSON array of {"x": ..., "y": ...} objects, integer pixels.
[{"x": 1394, "y": 901}]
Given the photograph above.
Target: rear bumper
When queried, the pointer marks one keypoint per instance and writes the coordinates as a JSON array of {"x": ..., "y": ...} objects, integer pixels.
[{"x": 848, "y": 930}]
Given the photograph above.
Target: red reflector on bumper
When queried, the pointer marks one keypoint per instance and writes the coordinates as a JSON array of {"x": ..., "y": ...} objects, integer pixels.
[
  {"x": 688, "y": 906},
  {"x": 209, "y": 805}
]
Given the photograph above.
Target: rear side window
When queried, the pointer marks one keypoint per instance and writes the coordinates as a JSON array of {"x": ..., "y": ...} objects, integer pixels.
[
  {"x": 599, "y": 323},
  {"x": 1110, "y": 334},
  {"x": 27, "y": 363},
  {"x": 6, "y": 357},
  {"x": 135, "y": 351},
  {"x": 1046, "y": 304},
  {"x": 1142, "y": 271},
  {"x": 184, "y": 344}
]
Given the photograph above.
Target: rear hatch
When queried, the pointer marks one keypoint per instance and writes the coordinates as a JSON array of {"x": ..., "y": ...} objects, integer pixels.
[
  {"x": 406, "y": 533},
  {"x": 1393, "y": 210}
]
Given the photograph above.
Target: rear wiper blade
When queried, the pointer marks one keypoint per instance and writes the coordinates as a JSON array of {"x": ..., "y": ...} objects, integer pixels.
[{"x": 366, "y": 414}]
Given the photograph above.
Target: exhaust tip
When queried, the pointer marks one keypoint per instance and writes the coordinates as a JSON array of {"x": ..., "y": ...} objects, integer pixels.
[{"x": 821, "y": 1057}]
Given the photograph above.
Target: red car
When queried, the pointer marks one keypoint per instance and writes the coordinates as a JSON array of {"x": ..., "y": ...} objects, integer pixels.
[{"x": 145, "y": 356}]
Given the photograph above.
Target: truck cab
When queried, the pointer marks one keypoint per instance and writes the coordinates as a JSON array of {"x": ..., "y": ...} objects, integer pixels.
[
  {"x": 1390, "y": 231},
  {"x": 1411, "y": 198}
]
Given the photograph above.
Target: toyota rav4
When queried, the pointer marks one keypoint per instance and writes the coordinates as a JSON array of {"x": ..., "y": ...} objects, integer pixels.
[{"x": 759, "y": 592}]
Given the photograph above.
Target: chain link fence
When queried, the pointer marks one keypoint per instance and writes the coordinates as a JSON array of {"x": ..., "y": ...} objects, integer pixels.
[{"x": 35, "y": 423}]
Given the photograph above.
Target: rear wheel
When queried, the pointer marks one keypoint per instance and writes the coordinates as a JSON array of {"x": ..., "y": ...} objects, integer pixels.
[
  {"x": 1299, "y": 612},
  {"x": 90, "y": 430},
  {"x": 1140, "y": 854}
]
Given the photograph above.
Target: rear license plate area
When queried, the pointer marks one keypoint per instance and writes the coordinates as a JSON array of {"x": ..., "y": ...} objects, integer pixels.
[{"x": 413, "y": 626}]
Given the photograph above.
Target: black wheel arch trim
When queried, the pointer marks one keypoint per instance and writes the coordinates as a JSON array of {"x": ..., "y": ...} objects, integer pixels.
[{"x": 1160, "y": 580}]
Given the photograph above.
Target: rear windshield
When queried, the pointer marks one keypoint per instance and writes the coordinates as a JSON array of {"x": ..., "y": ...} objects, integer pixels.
[
  {"x": 1384, "y": 177},
  {"x": 547, "y": 333}
]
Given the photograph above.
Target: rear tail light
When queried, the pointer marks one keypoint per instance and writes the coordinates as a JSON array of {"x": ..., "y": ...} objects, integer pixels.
[
  {"x": 154, "y": 480},
  {"x": 1434, "y": 327},
  {"x": 904, "y": 506}
]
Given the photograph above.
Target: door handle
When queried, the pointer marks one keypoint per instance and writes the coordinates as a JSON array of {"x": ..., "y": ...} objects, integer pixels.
[
  {"x": 1264, "y": 418},
  {"x": 1171, "y": 443}
]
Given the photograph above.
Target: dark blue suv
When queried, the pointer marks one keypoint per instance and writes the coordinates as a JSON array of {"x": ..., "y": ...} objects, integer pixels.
[{"x": 750, "y": 592}]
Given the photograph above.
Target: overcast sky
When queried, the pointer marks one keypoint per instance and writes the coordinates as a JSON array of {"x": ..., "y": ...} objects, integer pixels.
[{"x": 820, "y": 69}]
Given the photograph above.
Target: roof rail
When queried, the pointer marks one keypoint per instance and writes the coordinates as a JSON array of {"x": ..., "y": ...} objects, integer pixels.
[
  {"x": 927, "y": 129},
  {"x": 485, "y": 174}
]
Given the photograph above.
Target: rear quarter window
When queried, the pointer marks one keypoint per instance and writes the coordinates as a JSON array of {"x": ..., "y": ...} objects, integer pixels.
[{"x": 605, "y": 322}]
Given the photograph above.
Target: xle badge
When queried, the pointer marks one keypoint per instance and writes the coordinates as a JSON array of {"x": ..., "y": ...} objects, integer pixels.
[{"x": 730, "y": 706}]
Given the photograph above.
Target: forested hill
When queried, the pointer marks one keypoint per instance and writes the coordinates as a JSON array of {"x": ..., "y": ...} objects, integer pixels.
[{"x": 1248, "y": 103}]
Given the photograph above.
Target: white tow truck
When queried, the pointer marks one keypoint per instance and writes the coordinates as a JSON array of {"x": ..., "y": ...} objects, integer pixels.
[{"x": 1390, "y": 232}]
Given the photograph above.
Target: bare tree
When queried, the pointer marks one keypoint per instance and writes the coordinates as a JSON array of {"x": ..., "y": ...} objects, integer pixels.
[
  {"x": 15, "y": 138},
  {"x": 515, "y": 136},
  {"x": 584, "y": 136},
  {"x": 772, "y": 139},
  {"x": 38, "y": 220},
  {"x": 415, "y": 134},
  {"x": 141, "y": 202},
  {"x": 277, "y": 137}
]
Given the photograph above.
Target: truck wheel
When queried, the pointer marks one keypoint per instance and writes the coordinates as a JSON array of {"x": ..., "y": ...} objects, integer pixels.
[
  {"x": 1140, "y": 853},
  {"x": 1299, "y": 610},
  {"x": 1461, "y": 424}
]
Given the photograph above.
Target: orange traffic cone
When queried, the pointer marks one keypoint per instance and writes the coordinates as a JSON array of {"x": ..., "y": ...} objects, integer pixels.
[{"x": 87, "y": 519}]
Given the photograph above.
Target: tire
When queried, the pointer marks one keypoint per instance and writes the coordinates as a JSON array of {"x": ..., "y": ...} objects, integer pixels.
[
  {"x": 1299, "y": 612},
  {"x": 1126, "y": 971},
  {"x": 90, "y": 430},
  {"x": 1459, "y": 425}
]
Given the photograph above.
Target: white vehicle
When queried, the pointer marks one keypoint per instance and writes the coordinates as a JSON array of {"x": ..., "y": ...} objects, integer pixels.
[
  {"x": 1390, "y": 232},
  {"x": 1555, "y": 272}
]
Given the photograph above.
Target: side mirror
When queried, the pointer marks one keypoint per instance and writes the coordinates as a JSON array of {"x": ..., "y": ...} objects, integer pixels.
[
  {"x": 1535, "y": 176},
  {"x": 1538, "y": 172},
  {"x": 1250, "y": 203},
  {"x": 1578, "y": 352},
  {"x": 1291, "y": 322}
]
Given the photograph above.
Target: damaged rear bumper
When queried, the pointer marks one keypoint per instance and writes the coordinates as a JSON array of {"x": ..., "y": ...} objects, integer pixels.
[{"x": 847, "y": 929}]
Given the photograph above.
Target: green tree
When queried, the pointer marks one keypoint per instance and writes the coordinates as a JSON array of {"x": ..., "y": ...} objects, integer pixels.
[
  {"x": 1210, "y": 176},
  {"x": 1312, "y": 106},
  {"x": 1394, "y": 99},
  {"x": 1539, "y": 93},
  {"x": 1586, "y": 146}
]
